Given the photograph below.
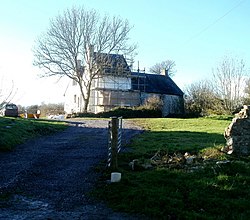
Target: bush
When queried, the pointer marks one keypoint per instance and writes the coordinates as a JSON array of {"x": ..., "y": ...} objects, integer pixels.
[
  {"x": 84, "y": 115},
  {"x": 201, "y": 100},
  {"x": 152, "y": 108},
  {"x": 124, "y": 112},
  {"x": 152, "y": 103}
]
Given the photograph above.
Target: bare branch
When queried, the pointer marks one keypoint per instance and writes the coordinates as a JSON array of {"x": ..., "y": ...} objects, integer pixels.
[{"x": 7, "y": 93}]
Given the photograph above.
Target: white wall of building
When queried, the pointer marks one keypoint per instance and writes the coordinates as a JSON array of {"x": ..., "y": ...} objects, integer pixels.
[{"x": 73, "y": 99}]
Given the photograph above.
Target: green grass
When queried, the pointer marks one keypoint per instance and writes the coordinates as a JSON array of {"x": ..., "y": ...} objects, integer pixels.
[
  {"x": 15, "y": 131},
  {"x": 210, "y": 192}
]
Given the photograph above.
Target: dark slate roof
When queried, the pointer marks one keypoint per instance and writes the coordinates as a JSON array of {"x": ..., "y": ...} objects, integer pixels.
[
  {"x": 154, "y": 83},
  {"x": 111, "y": 62}
]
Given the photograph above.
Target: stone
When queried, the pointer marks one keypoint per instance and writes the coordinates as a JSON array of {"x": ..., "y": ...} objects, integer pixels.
[
  {"x": 147, "y": 166},
  {"x": 222, "y": 162},
  {"x": 135, "y": 165},
  {"x": 190, "y": 159},
  {"x": 237, "y": 134}
]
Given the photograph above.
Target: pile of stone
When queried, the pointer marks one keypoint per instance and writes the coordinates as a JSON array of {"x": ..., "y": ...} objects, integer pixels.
[
  {"x": 161, "y": 158},
  {"x": 187, "y": 161},
  {"x": 237, "y": 134},
  {"x": 164, "y": 159}
]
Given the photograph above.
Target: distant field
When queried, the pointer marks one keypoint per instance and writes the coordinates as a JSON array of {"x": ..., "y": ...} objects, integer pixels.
[
  {"x": 15, "y": 131},
  {"x": 215, "y": 188}
]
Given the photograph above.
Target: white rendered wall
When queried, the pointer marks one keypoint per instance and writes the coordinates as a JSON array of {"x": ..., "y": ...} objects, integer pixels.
[{"x": 73, "y": 99}]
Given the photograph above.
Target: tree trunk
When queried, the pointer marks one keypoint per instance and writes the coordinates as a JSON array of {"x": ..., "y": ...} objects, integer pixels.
[
  {"x": 86, "y": 97},
  {"x": 85, "y": 105}
]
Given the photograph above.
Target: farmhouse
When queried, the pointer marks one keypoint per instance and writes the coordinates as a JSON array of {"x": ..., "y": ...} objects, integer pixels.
[{"x": 118, "y": 86}]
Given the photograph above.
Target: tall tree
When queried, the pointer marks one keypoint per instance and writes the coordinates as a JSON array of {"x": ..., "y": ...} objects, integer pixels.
[
  {"x": 229, "y": 78},
  {"x": 73, "y": 37},
  {"x": 167, "y": 65}
]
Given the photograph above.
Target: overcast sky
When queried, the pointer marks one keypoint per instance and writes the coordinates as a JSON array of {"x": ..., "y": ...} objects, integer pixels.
[{"x": 196, "y": 34}]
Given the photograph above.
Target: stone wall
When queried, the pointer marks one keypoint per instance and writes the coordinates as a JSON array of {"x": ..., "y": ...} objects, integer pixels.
[{"x": 237, "y": 134}]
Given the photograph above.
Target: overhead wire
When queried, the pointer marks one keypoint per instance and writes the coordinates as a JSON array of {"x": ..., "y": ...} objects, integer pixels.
[{"x": 214, "y": 22}]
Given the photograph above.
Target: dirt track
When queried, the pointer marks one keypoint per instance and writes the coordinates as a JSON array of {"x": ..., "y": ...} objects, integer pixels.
[{"x": 50, "y": 177}]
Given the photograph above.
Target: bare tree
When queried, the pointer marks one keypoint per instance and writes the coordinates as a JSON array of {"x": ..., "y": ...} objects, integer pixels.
[
  {"x": 247, "y": 92},
  {"x": 73, "y": 37},
  {"x": 229, "y": 78},
  {"x": 167, "y": 65},
  {"x": 7, "y": 92}
]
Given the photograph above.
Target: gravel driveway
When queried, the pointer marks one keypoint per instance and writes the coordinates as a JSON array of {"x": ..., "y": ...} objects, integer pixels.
[{"x": 50, "y": 177}]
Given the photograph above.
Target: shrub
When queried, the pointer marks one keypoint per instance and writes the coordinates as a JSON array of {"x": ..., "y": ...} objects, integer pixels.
[
  {"x": 84, "y": 115},
  {"x": 137, "y": 112},
  {"x": 131, "y": 113},
  {"x": 152, "y": 103}
]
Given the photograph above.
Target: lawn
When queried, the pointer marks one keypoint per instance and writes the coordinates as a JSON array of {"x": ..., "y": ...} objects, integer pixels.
[
  {"x": 15, "y": 131},
  {"x": 208, "y": 189}
]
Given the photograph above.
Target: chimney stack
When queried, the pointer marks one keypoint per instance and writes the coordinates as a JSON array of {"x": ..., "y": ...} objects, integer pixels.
[{"x": 164, "y": 72}]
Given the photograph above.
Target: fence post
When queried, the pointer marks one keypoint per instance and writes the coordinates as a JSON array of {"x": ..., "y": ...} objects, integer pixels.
[
  {"x": 114, "y": 142},
  {"x": 119, "y": 144}
]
